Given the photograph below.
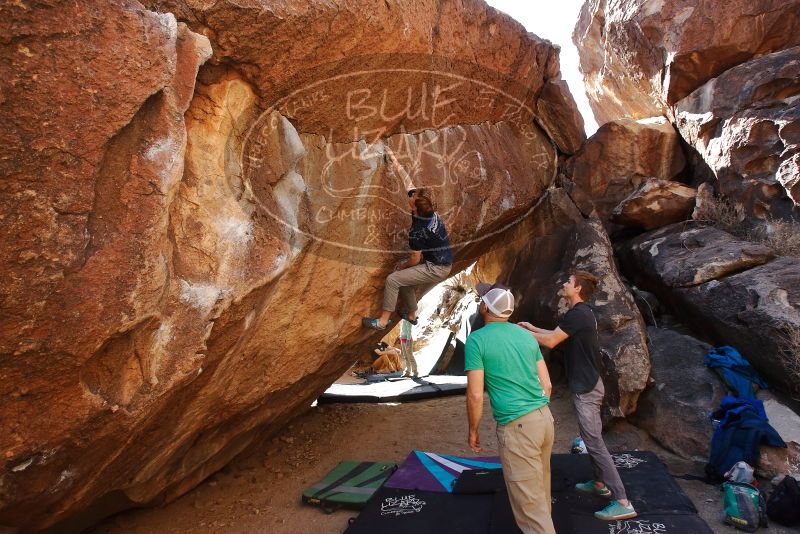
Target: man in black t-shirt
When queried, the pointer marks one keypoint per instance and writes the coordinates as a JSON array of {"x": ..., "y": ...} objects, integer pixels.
[{"x": 578, "y": 331}]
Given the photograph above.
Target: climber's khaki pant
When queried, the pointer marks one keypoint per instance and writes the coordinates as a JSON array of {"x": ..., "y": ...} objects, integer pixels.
[{"x": 403, "y": 283}]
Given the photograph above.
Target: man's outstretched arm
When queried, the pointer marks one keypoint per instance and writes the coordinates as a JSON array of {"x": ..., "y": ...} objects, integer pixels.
[
  {"x": 548, "y": 338},
  {"x": 407, "y": 181},
  {"x": 474, "y": 407},
  {"x": 531, "y": 328}
]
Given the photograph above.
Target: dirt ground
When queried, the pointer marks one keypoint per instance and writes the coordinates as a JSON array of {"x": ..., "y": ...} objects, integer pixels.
[{"x": 260, "y": 492}]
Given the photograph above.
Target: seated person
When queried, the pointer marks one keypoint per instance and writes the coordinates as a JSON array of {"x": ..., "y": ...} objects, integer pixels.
[{"x": 388, "y": 360}]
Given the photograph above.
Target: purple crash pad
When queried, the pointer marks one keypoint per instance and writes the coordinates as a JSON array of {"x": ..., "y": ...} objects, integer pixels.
[{"x": 430, "y": 471}]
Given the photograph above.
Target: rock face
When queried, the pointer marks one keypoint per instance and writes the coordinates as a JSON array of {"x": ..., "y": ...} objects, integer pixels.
[
  {"x": 774, "y": 461},
  {"x": 654, "y": 204},
  {"x": 639, "y": 57},
  {"x": 730, "y": 289},
  {"x": 559, "y": 116},
  {"x": 373, "y": 37},
  {"x": 745, "y": 124},
  {"x": 688, "y": 254},
  {"x": 162, "y": 237},
  {"x": 675, "y": 410},
  {"x": 534, "y": 259},
  {"x": 755, "y": 311},
  {"x": 620, "y": 157}
]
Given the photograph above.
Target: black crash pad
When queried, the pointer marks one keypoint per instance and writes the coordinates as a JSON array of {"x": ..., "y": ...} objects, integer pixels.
[{"x": 662, "y": 505}]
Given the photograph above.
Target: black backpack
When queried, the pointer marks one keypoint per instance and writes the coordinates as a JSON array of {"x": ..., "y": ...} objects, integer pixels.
[{"x": 783, "y": 506}]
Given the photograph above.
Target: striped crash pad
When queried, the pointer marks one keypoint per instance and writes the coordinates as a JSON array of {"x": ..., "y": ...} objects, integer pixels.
[{"x": 348, "y": 485}]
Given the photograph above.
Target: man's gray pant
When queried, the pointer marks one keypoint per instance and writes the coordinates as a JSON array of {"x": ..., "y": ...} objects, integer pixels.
[
  {"x": 587, "y": 405},
  {"x": 403, "y": 283}
]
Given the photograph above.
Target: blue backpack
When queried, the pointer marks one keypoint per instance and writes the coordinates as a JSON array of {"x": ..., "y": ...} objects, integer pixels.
[{"x": 743, "y": 427}]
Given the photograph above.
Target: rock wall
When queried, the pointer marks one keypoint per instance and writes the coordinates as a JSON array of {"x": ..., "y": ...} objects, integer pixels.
[
  {"x": 639, "y": 57},
  {"x": 735, "y": 292},
  {"x": 534, "y": 260},
  {"x": 619, "y": 158},
  {"x": 186, "y": 257},
  {"x": 727, "y": 79},
  {"x": 745, "y": 125}
]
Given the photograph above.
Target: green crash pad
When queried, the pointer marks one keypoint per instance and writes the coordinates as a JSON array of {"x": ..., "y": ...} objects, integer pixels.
[{"x": 348, "y": 485}]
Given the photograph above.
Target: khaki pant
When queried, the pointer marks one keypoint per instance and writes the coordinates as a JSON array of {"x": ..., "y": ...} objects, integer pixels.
[
  {"x": 407, "y": 352},
  {"x": 525, "y": 445},
  {"x": 403, "y": 283}
]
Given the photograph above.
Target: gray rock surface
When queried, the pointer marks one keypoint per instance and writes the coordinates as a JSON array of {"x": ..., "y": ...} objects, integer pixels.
[
  {"x": 675, "y": 409},
  {"x": 687, "y": 254},
  {"x": 756, "y": 311}
]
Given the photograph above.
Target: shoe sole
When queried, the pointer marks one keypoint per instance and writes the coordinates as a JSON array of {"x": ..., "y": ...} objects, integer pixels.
[
  {"x": 618, "y": 517},
  {"x": 365, "y": 324},
  {"x": 590, "y": 492}
]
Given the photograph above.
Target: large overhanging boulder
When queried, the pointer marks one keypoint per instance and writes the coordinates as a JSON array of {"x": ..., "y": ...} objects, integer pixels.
[
  {"x": 639, "y": 57},
  {"x": 745, "y": 125},
  {"x": 534, "y": 259},
  {"x": 175, "y": 285}
]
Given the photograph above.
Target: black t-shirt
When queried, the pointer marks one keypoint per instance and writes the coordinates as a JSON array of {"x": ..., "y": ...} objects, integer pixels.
[
  {"x": 581, "y": 348},
  {"x": 430, "y": 237}
]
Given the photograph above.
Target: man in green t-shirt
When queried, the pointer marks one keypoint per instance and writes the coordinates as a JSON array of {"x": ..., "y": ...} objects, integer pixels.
[{"x": 507, "y": 360}]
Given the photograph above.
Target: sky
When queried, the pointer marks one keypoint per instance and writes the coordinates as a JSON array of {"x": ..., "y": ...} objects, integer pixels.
[{"x": 555, "y": 21}]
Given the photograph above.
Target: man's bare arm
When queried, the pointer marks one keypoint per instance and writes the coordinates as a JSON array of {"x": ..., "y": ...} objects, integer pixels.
[
  {"x": 544, "y": 377},
  {"x": 550, "y": 339},
  {"x": 474, "y": 407},
  {"x": 407, "y": 182},
  {"x": 529, "y": 327}
]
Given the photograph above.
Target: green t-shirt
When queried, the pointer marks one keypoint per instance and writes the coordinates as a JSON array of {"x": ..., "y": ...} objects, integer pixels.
[{"x": 507, "y": 354}]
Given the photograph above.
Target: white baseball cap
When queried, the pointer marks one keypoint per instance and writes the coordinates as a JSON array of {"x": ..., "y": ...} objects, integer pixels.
[{"x": 499, "y": 301}]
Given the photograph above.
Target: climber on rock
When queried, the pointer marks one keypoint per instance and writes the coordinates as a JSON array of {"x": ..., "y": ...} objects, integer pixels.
[{"x": 430, "y": 261}]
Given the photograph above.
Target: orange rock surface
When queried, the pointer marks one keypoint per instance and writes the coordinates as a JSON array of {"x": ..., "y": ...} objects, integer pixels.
[{"x": 187, "y": 251}]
